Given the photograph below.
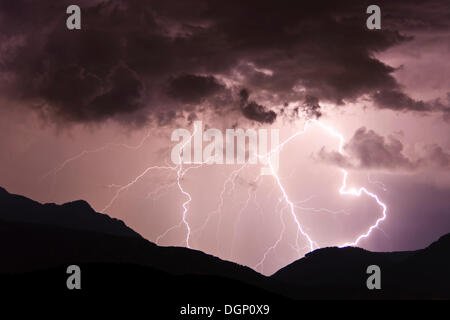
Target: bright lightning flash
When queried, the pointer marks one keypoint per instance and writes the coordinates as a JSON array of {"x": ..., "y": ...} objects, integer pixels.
[
  {"x": 342, "y": 191},
  {"x": 288, "y": 204}
]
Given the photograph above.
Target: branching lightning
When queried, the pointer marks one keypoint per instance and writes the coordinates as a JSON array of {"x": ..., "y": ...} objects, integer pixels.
[
  {"x": 342, "y": 191},
  {"x": 229, "y": 183},
  {"x": 57, "y": 169}
]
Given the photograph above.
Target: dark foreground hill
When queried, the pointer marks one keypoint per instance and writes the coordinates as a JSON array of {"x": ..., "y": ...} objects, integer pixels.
[{"x": 38, "y": 242}]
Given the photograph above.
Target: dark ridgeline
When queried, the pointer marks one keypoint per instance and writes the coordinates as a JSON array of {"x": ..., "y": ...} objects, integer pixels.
[{"x": 38, "y": 241}]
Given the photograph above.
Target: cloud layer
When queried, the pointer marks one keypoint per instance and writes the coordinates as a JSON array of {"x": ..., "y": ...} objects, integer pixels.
[
  {"x": 139, "y": 61},
  {"x": 369, "y": 150}
]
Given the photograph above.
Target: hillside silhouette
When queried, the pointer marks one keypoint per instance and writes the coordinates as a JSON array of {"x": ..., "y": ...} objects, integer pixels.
[{"x": 38, "y": 242}]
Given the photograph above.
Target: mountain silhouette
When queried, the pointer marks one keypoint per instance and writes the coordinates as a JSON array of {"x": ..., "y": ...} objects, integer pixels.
[
  {"x": 76, "y": 215},
  {"x": 38, "y": 242}
]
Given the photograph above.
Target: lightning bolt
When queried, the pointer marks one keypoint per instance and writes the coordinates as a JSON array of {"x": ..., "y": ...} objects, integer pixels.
[
  {"x": 260, "y": 264},
  {"x": 250, "y": 193},
  {"x": 180, "y": 174},
  {"x": 230, "y": 180},
  {"x": 342, "y": 191},
  {"x": 83, "y": 153},
  {"x": 358, "y": 193},
  {"x": 318, "y": 210},
  {"x": 134, "y": 181},
  {"x": 355, "y": 192},
  {"x": 180, "y": 170},
  {"x": 120, "y": 188}
]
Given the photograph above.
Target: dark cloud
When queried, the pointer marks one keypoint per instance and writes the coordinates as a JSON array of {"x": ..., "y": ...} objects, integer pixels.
[
  {"x": 190, "y": 88},
  {"x": 397, "y": 100},
  {"x": 415, "y": 16},
  {"x": 308, "y": 108},
  {"x": 436, "y": 156},
  {"x": 77, "y": 95},
  {"x": 444, "y": 108},
  {"x": 135, "y": 59},
  {"x": 311, "y": 107},
  {"x": 368, "y": 150},
  {"x": 253, "y": 111}
]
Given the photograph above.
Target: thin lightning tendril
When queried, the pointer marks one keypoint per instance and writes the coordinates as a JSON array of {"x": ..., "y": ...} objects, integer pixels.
[
  {"x": 288, "y": 204},
  {"x": 342, "y": 191}
]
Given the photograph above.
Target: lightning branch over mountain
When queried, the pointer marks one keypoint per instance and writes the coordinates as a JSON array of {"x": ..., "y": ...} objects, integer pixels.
[{"x": 285, "y": 203}]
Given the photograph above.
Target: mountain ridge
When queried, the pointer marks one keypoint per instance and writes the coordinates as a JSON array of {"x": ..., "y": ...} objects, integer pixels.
[{"x": 36, "y": 237}]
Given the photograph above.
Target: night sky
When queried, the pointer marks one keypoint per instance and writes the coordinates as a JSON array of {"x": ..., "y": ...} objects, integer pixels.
[{"x": 88, "y": 114}]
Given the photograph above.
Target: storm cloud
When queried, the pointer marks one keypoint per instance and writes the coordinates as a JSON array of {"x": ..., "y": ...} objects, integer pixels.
[
  {"x": 369, "y": 150},
  {"x": 254, "y": 111},
  {"x": 190, "y": 88},
  {"x": 397, "y": 100},
  {"x": 141, "y": 61}
]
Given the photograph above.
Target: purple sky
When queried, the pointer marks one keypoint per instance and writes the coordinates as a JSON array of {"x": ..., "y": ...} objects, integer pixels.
[{"x": 84, "y": 114}]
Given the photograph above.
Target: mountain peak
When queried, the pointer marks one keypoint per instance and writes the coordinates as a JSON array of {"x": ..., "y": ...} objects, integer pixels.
[
  {"x": 77, "y": 215},
  {"x": 79, "y": 204}
]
